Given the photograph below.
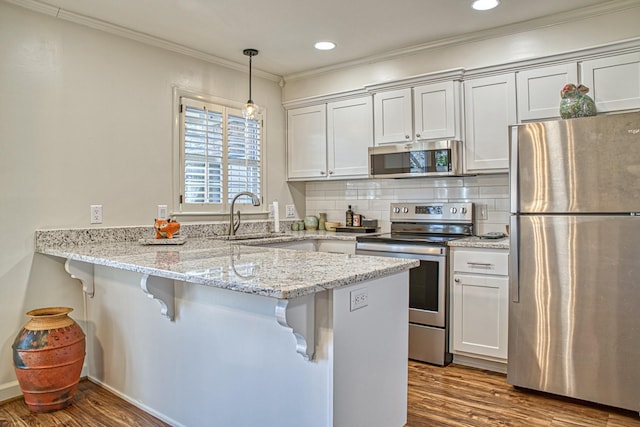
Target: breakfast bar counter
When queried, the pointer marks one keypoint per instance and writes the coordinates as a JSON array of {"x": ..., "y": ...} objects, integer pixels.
[
  {"x": 244, "y": 334},
  {"x": 239, "y": 265}
]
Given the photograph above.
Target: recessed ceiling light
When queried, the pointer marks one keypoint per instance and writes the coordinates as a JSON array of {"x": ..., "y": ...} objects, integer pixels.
[
  {"x": 324, "y": 45},
  {"x": 485, "y": 4}
]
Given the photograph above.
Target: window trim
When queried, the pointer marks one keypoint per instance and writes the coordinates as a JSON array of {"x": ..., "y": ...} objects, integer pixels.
[{"x": 196, "y": 210}]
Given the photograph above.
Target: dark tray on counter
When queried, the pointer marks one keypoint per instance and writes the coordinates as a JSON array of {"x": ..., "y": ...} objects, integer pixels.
[{"x": 356, "y": 229}]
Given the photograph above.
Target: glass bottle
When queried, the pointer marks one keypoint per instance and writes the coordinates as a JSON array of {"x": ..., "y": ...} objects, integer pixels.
[{"x": 349, "y": 217}]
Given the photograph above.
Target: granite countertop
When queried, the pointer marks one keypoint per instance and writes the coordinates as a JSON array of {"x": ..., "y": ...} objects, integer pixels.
[
  {"x": 236, "y": 265},
  {"x": 479, "y": 242}
]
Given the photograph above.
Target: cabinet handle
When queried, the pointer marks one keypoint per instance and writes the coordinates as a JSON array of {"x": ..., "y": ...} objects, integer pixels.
[
  {"x": 479, "y": 264},
  {"x": 456, "y": 280},
  {"x": 323, "y": 173},
  {"x": 417, "y": 135},
  {"x": 330, "y": 172},
  {"x": 407, "y": 137}
]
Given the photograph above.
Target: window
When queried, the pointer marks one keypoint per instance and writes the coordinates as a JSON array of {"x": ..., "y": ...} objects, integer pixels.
[{"x": 220, "y": 156}]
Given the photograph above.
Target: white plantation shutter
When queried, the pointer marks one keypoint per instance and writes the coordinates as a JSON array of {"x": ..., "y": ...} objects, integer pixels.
[
  {"x": 203, "y": 155},
  {"x": 243, "y": 158},
  {"x": 221, "y": 155}
]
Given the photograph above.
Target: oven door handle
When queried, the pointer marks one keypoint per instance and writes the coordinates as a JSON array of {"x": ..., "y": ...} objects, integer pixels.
[{"x": 401, "y": 249}]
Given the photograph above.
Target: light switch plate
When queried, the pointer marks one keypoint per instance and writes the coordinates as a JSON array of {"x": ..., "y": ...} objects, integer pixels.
[
  {"x": 163, "y": 212},
  {"x": 291, "y": 211}
]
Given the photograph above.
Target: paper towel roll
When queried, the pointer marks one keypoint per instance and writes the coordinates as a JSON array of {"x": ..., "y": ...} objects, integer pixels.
[{"x": 276, "y": 217}]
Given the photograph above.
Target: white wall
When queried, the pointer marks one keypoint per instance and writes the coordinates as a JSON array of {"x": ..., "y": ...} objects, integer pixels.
[
  {"x": 86, "y": 118},
  {"x": 520, "y": 42}
]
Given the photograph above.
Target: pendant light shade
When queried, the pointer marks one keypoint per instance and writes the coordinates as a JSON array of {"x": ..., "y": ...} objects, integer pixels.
[{"x": 250, "y": 110}]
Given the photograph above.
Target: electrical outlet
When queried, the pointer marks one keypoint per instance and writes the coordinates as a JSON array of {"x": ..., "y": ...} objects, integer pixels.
[
  {"x": 482, "y": 212},
  {"x": 270, "y": 210},
  {"x": 96, "y": 214},
  {"x": 291, "y": 211},
  {"x": 359, "y": 298},
  {"x": 163, "y": 212}
]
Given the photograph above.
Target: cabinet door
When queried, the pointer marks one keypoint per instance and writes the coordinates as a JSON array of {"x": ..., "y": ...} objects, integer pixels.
[
  {"x": 614, "y": 82},
  {"x": 538, "y": 90},
  {"x": 337, "y": 246},
  {"x": 307, "y": 142},
  {"x": 349, "y": 136},
  {"x": 393, "y": 116},
  {"x": 480, "y": 315},
  {"x": 490, "y": 107},
  {"x": 436, "y": 112}
]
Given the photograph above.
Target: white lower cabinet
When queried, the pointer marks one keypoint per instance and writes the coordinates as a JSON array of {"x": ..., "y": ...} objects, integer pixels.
[
  {"x": 480, "y": 303},
  {"x": 337, "y": 246},
  {"x": 320, "y": 245}
]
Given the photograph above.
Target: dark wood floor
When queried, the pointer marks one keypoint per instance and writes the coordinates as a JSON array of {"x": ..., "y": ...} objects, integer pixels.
[
  {"x": 455, "y": 396},
  {"x": 93, "y": 406}
]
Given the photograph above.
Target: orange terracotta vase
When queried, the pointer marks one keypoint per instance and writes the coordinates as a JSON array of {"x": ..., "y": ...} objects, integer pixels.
[{"x": 48, "y": 354}]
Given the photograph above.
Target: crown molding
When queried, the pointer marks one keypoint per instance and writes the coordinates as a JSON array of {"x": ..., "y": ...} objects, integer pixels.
[{"x": 147, "y": 39}]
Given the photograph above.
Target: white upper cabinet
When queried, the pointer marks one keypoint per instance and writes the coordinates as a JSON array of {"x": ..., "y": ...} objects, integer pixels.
[
  {"x": 614, "y": 82},
  {"x": 426, "y": 112},
  {"x": 307, "y": 142},
  {"x": 349, "y": 136},
  {"x": 330, "y": 140},
  {"x": 393, "y": 116},
  {"x": 436, "y": 110},
  {"x": 490, "y": 108},
  {"x": 538, "y": 90}
]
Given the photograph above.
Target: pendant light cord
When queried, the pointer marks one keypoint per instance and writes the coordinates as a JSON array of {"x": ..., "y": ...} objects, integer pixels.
[{"x": 250, "y": 61}]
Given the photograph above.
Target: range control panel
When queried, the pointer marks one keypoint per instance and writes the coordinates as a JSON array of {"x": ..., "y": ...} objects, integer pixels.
[{"x": 432, "y": 212}]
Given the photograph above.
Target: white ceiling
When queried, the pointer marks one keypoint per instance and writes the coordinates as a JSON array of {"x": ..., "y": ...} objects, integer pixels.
[{"x": 284, "y": 31}]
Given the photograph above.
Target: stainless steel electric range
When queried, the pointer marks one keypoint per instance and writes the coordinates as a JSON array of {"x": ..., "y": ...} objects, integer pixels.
[{"x": 421, "y": 231}]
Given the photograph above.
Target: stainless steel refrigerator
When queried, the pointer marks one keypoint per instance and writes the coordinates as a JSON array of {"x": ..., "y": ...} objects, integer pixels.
[{"x": 574, "y": 313}]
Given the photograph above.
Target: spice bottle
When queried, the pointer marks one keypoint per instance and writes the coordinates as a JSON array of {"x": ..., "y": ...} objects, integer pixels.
[{"x": 349, "y": 217}]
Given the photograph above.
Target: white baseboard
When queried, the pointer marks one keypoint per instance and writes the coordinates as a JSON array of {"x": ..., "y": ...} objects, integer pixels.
[
  {"x": 9, "y": 391},
  {"x": 137, "y": 404},
  {"x": 475, "y": 362}
]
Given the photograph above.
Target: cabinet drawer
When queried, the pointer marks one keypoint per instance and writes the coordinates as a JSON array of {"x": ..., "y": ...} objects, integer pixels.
[{"x": 481, "y": 261}]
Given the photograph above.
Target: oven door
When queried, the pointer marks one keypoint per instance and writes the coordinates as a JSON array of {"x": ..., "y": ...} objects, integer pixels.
[{"x": 427, "y": 283}]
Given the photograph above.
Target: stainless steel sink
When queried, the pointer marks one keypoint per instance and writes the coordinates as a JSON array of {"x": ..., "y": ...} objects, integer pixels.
[{"x": 251, "y": 236}]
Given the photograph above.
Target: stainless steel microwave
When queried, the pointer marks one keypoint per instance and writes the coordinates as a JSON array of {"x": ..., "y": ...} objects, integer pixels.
[{"x": 426, "y": 158}]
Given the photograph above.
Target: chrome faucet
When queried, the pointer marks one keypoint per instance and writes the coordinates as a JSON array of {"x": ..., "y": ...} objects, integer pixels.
[{"x": 233, "y": 225}]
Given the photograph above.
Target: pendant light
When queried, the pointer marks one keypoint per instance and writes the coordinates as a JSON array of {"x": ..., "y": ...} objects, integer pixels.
[{"x": 250, "y": 110}]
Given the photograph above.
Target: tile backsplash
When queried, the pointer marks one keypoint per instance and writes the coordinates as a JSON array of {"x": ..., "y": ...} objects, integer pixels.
[{"x": 371, "y": 197}]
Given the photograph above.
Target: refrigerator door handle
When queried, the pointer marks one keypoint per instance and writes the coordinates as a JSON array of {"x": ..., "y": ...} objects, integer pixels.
[
  {"x": 513, "y": 168},
  {"x": 514, "y": 253}
]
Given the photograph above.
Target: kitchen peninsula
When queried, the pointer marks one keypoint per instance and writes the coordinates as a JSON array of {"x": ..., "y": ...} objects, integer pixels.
[{"x": 243, "y": 335}]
